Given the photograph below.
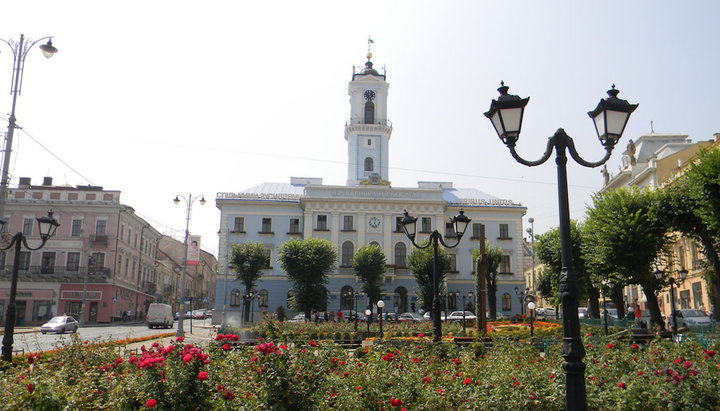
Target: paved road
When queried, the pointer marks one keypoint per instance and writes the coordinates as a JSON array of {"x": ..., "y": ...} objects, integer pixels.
[{"x": 33, "y": 340}]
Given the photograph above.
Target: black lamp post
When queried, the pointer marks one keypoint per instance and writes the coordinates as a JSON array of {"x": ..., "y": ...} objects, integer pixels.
[
  {"x": 610, "y": 118},
  {"x": 356, "y": 295},
  {"x": 409, "y": 224},
  {"x": 47, "y": 225},
  {"x": 368, "y": 317},
  {"x": 673, "y": 282},
  {"x": 380, "y": 306},
  {"x": 470, "y": 296},
  {"x": 521, "y": 298},
  {"x": 531, "y": 312}
]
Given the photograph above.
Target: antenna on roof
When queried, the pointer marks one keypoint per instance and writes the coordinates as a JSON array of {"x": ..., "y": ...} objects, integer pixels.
[{"x": 652, "y": 130}]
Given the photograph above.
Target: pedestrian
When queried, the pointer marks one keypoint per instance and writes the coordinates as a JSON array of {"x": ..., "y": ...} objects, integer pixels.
[
  {"x": 638, "y": 315},
  {"x": 339, "y": 315}
]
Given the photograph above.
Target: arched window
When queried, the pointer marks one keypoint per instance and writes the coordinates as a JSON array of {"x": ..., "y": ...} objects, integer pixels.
[
  {"x": 347, "y": 298},
  {"x": 400, "y": 300},
  {"x": 235, "y": 298},
  {"x": 374, "y": 243},
  {"x": 506, "y": 302},
  {"x": 369, "y": 112},
  {"x": 400, "y": 255},
  {"x": 347, "y": 254},
  {"x": 263, "y": 298},
  {"x": 369, "y": 165}
]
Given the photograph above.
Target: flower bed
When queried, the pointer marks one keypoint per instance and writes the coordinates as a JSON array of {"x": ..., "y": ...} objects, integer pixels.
[{"x": 321, "y": 375}]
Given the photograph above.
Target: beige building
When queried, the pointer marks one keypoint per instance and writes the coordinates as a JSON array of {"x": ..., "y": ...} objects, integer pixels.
[
  {"x": 651, "y": 162},
  {"x": 200, "y": 280}
]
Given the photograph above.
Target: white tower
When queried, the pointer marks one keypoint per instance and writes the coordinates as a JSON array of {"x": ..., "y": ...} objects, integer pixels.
[{"x": 368, "y": 130}]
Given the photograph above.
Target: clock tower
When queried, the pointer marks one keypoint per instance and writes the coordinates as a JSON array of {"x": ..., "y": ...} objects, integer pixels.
[{"x": 368, "y": 130}]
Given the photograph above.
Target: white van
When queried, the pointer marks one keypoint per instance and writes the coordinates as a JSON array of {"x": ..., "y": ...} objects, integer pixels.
[{"x": 159, "y": 315}]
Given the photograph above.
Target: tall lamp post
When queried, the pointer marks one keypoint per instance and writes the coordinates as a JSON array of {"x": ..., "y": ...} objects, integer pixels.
[
  {"x": 189, "y": 200},
  {"x": 610, "y": 118},
  {"x": 521, "y": 298},
  {"x": 460, "y": 223},
  {"x": 659, "y": 274},
  {"x": 470, "y": 297},
  {"x": 47, "y": 226},
  {"x": 531, "y": 232},
  {"x": 380, "y": 306},
  {"x": 531, "y": 312},
  {"x": 20, "y": 50},
  {"x": 368, "y": 317}
]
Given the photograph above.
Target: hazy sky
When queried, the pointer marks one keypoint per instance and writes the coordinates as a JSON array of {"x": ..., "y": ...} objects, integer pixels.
[{"x": 158, "y": 98}]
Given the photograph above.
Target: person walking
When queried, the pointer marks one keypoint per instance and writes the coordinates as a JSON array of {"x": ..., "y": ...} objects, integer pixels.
[{"x": 638, "y": 315}]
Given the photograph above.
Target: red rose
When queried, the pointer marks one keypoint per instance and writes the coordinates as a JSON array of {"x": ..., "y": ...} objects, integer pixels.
[
  {"x": 467, "y": 381},
  {"x": 151, "y": 403},
  {"x": 622, "y": 385},
  {"x": 202, "y": 376},
  {"x": 395, "y": 402}
]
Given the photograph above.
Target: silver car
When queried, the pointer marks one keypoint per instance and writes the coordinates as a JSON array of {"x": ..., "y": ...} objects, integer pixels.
[{"x": 60, "y": 324}]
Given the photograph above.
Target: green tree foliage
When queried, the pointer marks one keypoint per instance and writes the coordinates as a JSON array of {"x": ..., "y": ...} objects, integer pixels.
[
  {"x": 307, "y": 264},
  {"x": 493, "y": 258},
  {"x": 248, "y": 261},
  {"x": 691, "y": 206},
  {"x": 369, "y": 265},
  {"x": 420, "y": 262},
  {"x": 547, "y": 249},
  {"x": 624, "y": 236}
]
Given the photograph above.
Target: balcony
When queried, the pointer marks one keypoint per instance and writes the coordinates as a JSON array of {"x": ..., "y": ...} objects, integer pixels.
[
  {"x": 148, "y": 287},
  {"x": 98, "y": 240}
]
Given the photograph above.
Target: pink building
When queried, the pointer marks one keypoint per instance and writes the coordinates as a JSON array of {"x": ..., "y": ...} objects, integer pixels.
[{"x": 101, "y": 247}]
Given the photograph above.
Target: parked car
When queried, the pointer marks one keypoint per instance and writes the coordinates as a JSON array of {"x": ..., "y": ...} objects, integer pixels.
[
  {"x": 411, "y": 317},
  {"x": 545, "y": 313},
  {"x": 60, "y": 324},
  {"x": 349, "y": 316},
  {"x": 458, "y": 316},
  {"x": 443, "y": 316},
  {"x": 612, "y": 314},
  {"x": 686, "y": 317},
  {"x": 199, "y": 314},
  {"x": 159, "y": 315},
  {"x": 583, "y": 313},
  {"x": 297, "y": 319},
  {"x": 498, "y": 315}
]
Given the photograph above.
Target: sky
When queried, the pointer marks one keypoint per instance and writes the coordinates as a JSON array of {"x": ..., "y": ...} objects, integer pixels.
[{"x": 159, "y": 98}]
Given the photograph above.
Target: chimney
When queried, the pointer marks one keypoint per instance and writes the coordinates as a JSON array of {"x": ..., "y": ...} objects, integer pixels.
[
  {"x": 24, "y": 182},
  {"x": 47, "y": 181}
]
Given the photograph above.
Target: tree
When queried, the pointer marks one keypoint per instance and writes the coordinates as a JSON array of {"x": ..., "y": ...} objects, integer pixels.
[
  {"x": 493, "y": 258},
  {"x": 248, "y": 260},
  {"x": 547, "y": 249},
  {"x": 624, "y": 237},
  {"x": 420, "y": 262},
  {"x": 369, "y": 266},
  {"x": 307, "y": 264},
  {"x": 690, "y": 205}
]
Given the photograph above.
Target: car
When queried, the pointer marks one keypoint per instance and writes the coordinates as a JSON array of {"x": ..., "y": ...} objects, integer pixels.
[
  {"x": 545, "y": 313},
  {"x": 159, "y": 315},
  {"x": 411, "y": 317},
  {"x": 612, "y": 314},
  {"x": 458, "y": 316},
  {"x": 583, "y": 313},
  {"x": 199, "y": 314},
  {"x": 297, "y": 319},
  {"x": 60, "y": 324},
  {"x": 443, "y": 316},
  {"x": 498, "y": 315},
  {"x": 686, "y": 317},
  {"x": 349, "y": 316}
]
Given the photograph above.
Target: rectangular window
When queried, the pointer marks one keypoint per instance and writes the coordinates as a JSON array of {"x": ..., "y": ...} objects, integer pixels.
[
  {"x": 697, "y": 295},
  {"x": 99, "y": 260},
  {"x": 453, "y": 263},
  {"x": 449, "y": 230},
  {"x": 348, "y": 223},
  {"x": 119, "y": 269},
  {"x": 239, "y": 225},
  {"x": 73, "y": 262},
  {"x": 399, "y": 225},
  {"x": 294, "y": 225},
  {"x": 100, "y": 227},
  {"x": 27, "y": 226},
  {"x": 685, "y": 299},
  {"x": 505, "y": 264},
  {"x": 3, "y": 256},
  {"x": 47, "y": 262},
  {"x": 504, "y": 231},
  {"x": 477, "y": 230},
  {"x": 426, "y": 225},
  {"x": 24, "y": 263},
  {"x": 266, "y": 226},
  {"x": 268, "y": 257},
  {"x": 76, "y": 228},
  {"x": 321, "y": 222}
]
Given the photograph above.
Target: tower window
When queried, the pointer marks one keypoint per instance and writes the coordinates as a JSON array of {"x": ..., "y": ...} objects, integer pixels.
[
  {"x": 369, "y": 112},
  {"x": 369, "y": 166}
]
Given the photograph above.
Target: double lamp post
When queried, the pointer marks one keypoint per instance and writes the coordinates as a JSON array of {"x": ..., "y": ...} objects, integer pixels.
[
  {"x": 460, "y": 223},
  {"x": 189, "y": 200},
  {"x": 610, "y": 118}
]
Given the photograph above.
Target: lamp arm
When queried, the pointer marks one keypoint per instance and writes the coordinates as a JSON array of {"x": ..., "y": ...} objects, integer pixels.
[
  {"x": 544, "y": 158},
  {"x": 11, "y": 47},
  {"x": 13, "y": 241},
  {"x": 24, "y": 241},
  {"x": 576, "y": 156},
  {"x": 412, "y": 240},
  {"x": 449, "y": 246},
  {"x": 27, "y": 48}
]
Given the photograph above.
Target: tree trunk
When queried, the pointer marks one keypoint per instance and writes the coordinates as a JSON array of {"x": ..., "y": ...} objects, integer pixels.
[
  {"x": 652, "y": 302},
  {"x": 593, "y": 305},
  {"x": 492, "y": 302},
  {"x": 617, "y": 298}
]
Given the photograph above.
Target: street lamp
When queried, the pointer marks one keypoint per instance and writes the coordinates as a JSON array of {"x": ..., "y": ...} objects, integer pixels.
[
  {"x": 521, "y": 298},
  {"x": 189, "y": 200},
  {"x": 368, "y": 317},
  {"x": 682, "y": 272},
  {"x": 610, "y": 118},
  {"x": 460, "y": 223},
  {"x": 531, "y": 308},
  {"x": 380, "y": 306},
  {"x": 531, "y": 232},
  {"x": 47, "y": 226},
  {"x": 470, "y": 296},
  {"x": 20, "y": 50},
  {"x": 356, "y": 294}
]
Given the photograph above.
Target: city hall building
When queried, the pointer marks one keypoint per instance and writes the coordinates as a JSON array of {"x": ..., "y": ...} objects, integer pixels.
[{"x": 367, "y": 210}]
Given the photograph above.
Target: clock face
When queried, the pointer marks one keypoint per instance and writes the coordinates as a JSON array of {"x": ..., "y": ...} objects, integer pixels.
[
  {"x": 369, "y": 95},
  {"x": 374, "y": 222}
]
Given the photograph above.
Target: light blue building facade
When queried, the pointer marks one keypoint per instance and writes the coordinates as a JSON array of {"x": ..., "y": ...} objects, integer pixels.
[{"x": 364, "y": 211}]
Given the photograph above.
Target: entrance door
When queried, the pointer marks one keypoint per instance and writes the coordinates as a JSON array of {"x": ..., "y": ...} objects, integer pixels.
[
  {"x": 74, "y": 308},
  {"x": 93, "y": 312},
  {"x": 20, "y": 308}
]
